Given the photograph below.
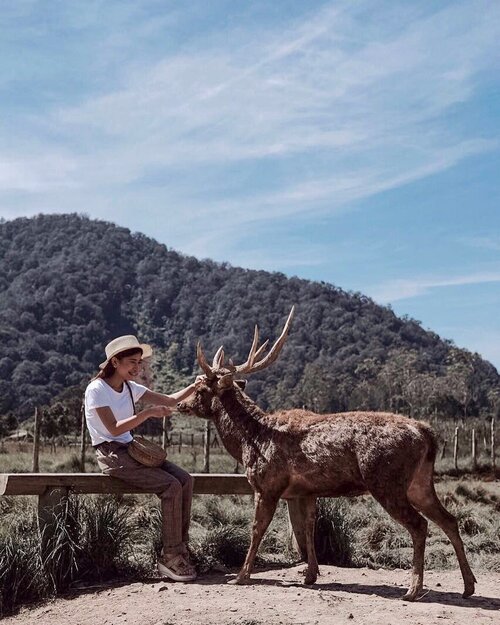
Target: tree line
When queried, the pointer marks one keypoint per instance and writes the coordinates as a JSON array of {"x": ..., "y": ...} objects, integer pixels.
[{"x": 69, "y": 284}]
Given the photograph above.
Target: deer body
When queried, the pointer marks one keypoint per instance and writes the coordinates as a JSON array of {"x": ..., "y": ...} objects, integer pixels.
[{"x": 299, "y": 454}]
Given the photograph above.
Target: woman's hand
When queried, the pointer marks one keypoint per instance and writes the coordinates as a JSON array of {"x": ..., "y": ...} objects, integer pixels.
[{"x": 159, "y": 412}]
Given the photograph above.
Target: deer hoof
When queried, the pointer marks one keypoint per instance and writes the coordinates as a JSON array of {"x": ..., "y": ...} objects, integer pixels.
[
  {"x": 411, "y": 595},
  {"x": 310, "y": 578},
  {"x": 239, "y": 581},
  {"x": 468, "y": 590}
]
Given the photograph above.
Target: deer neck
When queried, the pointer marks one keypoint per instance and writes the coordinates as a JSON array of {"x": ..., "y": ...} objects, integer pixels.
[{"x": 238, "y": 422}]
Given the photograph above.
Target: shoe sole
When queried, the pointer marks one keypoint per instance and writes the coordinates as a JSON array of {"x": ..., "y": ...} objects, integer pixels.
[{"x": 166, "y": 572}]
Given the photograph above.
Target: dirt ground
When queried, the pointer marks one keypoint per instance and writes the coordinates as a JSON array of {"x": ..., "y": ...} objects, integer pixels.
[{"x": 277, "y": 597}]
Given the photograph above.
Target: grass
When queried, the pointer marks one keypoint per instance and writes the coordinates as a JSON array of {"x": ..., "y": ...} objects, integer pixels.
[
  {"x": 109, "y": 538},
  {"x": 93, "y": 541},
  {"x": 106, "y": 538}
]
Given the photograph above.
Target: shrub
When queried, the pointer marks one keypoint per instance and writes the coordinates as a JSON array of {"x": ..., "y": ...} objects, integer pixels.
[
  {"x": 71, "y": 464},
  {"x": 149, "y": 524},
  {"x": 226, "y": 545},
  {"x": 217, "y": 511},
  {"x": 60, "y": 546},
  {"x": 21, "y": 572},
  {"x": 333, "y": 536},
  {"x": 107, "y": 539},
  {"x": 87, "y": 541}
]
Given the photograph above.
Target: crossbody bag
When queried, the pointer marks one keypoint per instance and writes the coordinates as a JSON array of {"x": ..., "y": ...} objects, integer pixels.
[{"x": 143, "y": 450}]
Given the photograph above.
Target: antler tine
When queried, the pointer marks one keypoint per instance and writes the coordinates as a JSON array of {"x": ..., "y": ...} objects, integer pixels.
[
  {"x": 251, "y": 355},
  {"x": 202, "y": 361},
  {"x": 275, "y": 349},
  {"x": 218, "y": 360},
  {"x": 261, "y": 348}
]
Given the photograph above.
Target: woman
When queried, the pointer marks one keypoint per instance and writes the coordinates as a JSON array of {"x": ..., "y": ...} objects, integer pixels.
[{"x": 110, "y": 413}]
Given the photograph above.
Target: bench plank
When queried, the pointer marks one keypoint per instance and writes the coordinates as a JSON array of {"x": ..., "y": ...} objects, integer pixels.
[{"x": 97, "y": 483}]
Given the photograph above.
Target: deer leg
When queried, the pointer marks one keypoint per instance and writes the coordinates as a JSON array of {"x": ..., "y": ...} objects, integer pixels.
[
  {"x": 265, "y": 507},
  {"x": 312, "y": 562},
  {"x": 423, "y": 497},
  {"x": 403, "y": 512}
]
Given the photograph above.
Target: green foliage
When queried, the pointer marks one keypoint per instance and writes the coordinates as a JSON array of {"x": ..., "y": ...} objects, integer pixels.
[
  {"x": 226, "y": 544},
  {"x": 223, "y": 511},
  {"x": 333, "y": 537},
  {"x": 91, "y": 540},
  {"x": 22, "y": 578},
  {"x": 108, "y": 537},
  {"x": 69, "y": 284},
  {"x": 105, "y": 537}
]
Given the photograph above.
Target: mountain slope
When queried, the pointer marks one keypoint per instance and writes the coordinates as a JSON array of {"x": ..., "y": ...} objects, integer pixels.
[{"x": 69, "y": 284}]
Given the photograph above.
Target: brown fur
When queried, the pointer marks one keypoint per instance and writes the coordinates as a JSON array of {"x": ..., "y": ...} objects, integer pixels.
[{"x": 299, "y": 454}]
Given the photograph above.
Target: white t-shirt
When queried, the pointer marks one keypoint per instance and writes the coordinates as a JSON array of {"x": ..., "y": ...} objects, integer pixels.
[{"x": 99, "y": 394}]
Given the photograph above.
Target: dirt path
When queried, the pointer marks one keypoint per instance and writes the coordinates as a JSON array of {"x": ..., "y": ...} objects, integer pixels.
[{"x": 342, "y": 596}]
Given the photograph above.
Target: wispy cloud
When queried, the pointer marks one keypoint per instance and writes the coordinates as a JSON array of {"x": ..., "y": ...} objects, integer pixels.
[
  {"x": 395, "y": 290},
  {"x": 260, "y": 123},
  {"x": 487, "y": 242}
]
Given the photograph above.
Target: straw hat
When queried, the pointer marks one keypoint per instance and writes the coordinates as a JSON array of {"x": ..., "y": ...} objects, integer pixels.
[{"x": 122, "y": 344}]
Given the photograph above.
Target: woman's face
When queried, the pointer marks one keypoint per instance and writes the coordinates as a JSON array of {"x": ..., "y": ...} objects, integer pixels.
[{"x": 128, "y": 367}]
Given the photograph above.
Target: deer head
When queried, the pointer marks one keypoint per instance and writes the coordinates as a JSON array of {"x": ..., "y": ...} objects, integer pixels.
[{"x": 219, "y": 377}]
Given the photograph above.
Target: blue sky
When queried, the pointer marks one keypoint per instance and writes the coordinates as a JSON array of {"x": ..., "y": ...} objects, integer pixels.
[{"x": 351, "y": 142}]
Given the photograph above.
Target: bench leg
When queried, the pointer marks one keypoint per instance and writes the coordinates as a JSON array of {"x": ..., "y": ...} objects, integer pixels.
[
  {"x": 52, "y": 509},
  {"x": 297, "y": 526}
]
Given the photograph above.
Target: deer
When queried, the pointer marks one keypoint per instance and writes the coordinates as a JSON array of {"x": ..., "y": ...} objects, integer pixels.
[{"x": 290, "y": 454}]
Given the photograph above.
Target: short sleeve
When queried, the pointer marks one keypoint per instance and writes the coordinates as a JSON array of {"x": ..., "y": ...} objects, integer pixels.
[
  {"x": 95, "y": 397},
  {"x": 138, "y": 390}
]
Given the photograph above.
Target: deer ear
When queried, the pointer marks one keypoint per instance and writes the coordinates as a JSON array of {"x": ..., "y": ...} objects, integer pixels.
[{"x": 241, "y": 384}]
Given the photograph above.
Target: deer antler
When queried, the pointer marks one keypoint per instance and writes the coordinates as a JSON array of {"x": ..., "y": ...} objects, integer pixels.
[
  {"x": 218, "y": 360},
  {"x": 251, "y": 366},
  {"x": 202, "y": 361},
  {"x": 252, "y": 363}
]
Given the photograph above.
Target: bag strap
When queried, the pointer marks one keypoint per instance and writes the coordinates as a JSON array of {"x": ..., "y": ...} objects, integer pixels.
[{"x": 131, "y": 396}]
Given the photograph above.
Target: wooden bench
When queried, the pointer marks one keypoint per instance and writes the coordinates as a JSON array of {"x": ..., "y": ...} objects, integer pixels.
[
  {"x": 53, "y": 490},
  {"x": 97, "y": 483}
]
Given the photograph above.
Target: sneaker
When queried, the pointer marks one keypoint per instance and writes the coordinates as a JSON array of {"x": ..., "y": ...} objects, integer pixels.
[{"x": 177, "y": 569}]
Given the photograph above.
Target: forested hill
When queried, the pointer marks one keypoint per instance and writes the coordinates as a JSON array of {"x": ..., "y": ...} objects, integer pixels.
[{"x": 69, "y": 284}]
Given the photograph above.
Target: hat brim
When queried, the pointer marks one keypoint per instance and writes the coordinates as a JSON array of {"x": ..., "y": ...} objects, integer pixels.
[{"x": 147, "y": 352}]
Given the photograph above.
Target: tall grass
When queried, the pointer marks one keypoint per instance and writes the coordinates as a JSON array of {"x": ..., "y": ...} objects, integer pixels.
[
  {"x": 334, "y": 534},
  {"x": 90, "y": 540},
  {"x": 22, "y": 578}
]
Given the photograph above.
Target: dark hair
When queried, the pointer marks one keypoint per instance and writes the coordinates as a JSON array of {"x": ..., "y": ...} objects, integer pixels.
[{"x": 108, "y": 370}]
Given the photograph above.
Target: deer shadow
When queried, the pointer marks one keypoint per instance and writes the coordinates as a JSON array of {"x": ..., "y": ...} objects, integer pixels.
[{"x": 387, "y": 592}]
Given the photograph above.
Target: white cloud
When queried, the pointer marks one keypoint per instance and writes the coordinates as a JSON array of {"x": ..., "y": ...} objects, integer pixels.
[
  {"x": 43, "y": 173},
  {"x": 486, "y": 242},
  {"x": 395, "y": 290},
  {"x": 349, "y": 102}
]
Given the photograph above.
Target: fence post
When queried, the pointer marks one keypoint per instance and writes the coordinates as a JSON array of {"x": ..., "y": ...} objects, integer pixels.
[
  {"x": 443, "y": 451},
  {"x": 206, "y": 452},
  {"x": 473, "y": 450},
  {"x": 180, "y": 442},
  {"x": 493, "y": 458},
  {"x": 455, "y": 449},
  {"x": 36, "y": 440}
]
